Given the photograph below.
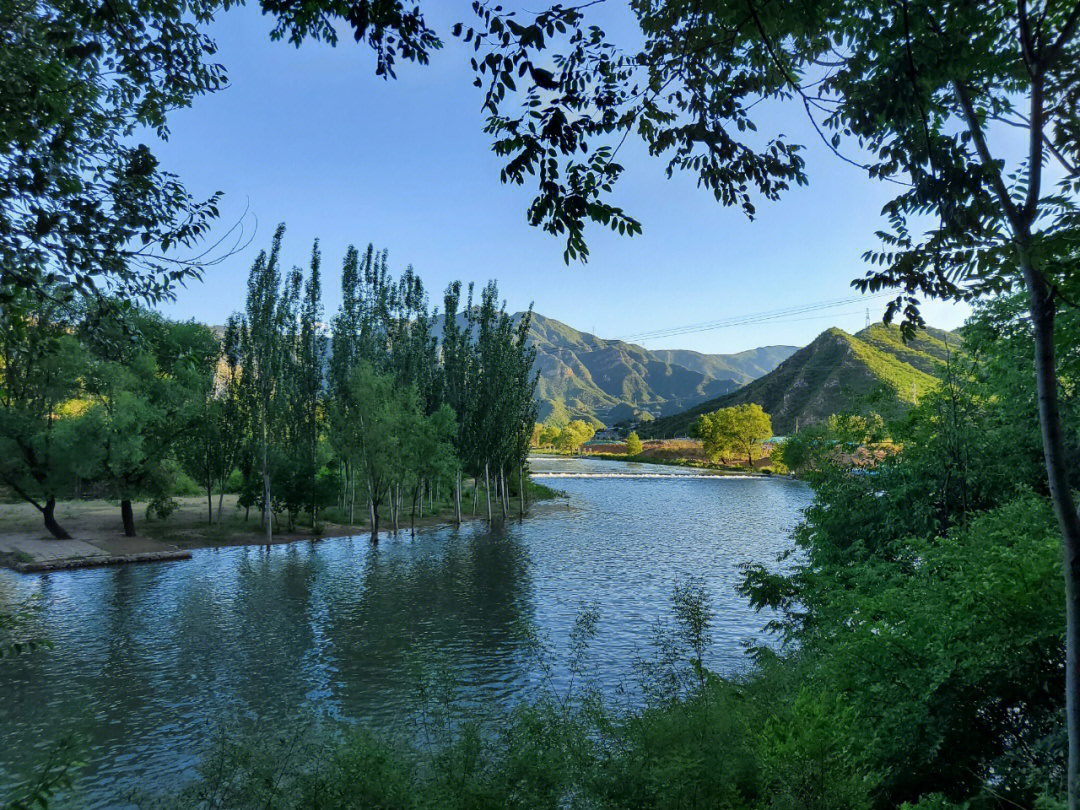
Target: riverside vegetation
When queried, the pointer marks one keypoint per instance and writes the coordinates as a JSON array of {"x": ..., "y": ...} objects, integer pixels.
[
  {"x": 931, "y": 679},
  {"x": 376, "y": 418},
  {"x": 930, "y": 662}
]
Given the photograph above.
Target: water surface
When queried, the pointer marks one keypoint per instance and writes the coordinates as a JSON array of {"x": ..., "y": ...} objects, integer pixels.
[{"x": 147, "y": 658}]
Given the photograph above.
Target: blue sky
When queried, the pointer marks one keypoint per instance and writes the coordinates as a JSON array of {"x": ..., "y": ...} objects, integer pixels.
[{"x": 310, "y": 137}]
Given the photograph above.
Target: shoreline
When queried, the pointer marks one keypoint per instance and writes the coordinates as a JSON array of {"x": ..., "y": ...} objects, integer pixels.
[
  {"x": 685, "y": 463},
  {"x": 27, "y": 548}
]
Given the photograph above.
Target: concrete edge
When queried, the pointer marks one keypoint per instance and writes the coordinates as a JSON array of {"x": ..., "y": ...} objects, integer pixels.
[{"x": 43, "y": 566}]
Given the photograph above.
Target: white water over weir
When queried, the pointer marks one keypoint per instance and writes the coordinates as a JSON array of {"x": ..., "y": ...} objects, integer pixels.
[{"x": 641, "y": 475}]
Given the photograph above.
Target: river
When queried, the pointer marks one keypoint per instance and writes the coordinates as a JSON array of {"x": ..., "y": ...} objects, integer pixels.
[{"x": 145, "y": 659}]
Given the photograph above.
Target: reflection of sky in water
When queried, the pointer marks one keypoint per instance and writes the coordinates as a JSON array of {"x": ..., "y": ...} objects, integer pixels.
[{"x": 147, "y": 658}]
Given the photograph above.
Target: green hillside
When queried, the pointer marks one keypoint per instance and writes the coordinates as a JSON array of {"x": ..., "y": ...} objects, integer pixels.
[
  {"x": 583, "y": 376},
  {"x": 873, "y": 370}
]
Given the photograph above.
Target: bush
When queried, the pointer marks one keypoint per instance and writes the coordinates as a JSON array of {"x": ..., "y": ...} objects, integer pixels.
[{"x": 184, "y": 486}]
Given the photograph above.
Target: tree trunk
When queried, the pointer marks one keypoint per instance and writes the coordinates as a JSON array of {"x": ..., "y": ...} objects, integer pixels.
[
  {"x": 502, "y": 491},
  {"x": 221, "y": 503},
  {"x": 210, "y": 505},
  {"x": 128, "y": 517},
  {"x": 350, "y": 485},
  {"x": 374, "y": 523},
  {"x": 457, "y": 500},
  {"x": 487, "y": 490},
  {"x": 521, "y": 491},
  {"x": 55, "y": 529},
  {"x": 268, "y": 518},
  {"x": 1042, "y": 318},
  {"x": 314, "y": 470}
]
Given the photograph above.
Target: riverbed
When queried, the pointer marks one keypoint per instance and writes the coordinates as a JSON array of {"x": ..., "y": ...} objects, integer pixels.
[{"x": 147, "y": 659}]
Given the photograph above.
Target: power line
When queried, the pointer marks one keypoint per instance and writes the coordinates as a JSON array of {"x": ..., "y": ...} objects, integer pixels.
[{"x": 754, "y": 318}]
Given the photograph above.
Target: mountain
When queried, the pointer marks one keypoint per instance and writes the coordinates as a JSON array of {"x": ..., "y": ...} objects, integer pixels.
[
  {"x": 871, "y": 370},
  {"x": 583, "y": 376}
]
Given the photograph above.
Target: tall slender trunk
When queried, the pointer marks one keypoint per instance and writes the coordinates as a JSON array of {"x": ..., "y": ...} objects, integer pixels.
[
  {"x": 351, "y": 486},
  {"x": 521, "y": 491},
  {"x": 210, "y": 505},
  {"x": 221, "y": 503},
  {"x": 128, "y": 517},
  {"x": 268, "y": 518},
  {"x": 314, "y": 471},
  {"x": 374, "y": 522},
  {"x": 419, "y": 492},
  {"x": 49, "y": 513},
  {"x": 506, "y": 491},
  {"x": 457, "y": 500},
  {"x": 487, "y": 490},
  {"x": 502, "y": 491},
  {"x": 1042, "y": 318},
  {"x": 475, "y": 487}
]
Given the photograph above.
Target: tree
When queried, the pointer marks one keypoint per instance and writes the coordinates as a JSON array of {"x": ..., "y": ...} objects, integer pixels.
[
  {"x": 84, "y": 207},
  {"x": 549, "y": 435},
  {"x": 912, "y": 92},
  {"x": 575, "y": 434},
  {"x": 144, "y": 381},
  {"x": 214, "y": 434},
  {"x": 429, "y": 446},
  {"x": 739, "y": 429},
  {"x": 264, "y": 360},
  {"x": 42, "y": 366},
  {"x": 372, "y": 433},
  {"x": 750, "y": 426},
  {"x": 716, "y": 432},
  {"x": 633, "y": 444}
]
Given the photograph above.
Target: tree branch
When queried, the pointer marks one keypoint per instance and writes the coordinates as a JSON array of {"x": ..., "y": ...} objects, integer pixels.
[
  {"x": 979, "y": 138},
  {"x": 1035, "y": 149},
  {"x": 1066, "y": 34}
]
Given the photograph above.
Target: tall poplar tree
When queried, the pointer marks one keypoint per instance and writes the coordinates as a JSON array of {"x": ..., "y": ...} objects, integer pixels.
[{"x": 264, "y": 359}]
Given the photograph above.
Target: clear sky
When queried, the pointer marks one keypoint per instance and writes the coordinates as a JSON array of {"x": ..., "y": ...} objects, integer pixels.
[{"x": 310, "y": 137}]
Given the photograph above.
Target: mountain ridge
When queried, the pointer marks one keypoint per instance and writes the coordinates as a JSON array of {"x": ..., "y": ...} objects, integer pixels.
[
  {"x": 870, "y": 370},
  {"x": 585, "y": 376}
]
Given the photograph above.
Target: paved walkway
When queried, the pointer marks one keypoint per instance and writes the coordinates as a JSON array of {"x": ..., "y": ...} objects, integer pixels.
[{"x": 39, "y": 550}]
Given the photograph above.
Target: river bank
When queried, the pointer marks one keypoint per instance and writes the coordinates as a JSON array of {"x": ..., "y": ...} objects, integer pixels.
[
  {"x": 351, "y": 631},
  {"x": 97, "y": 537},
  {"x": 761, "y": 466}
]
